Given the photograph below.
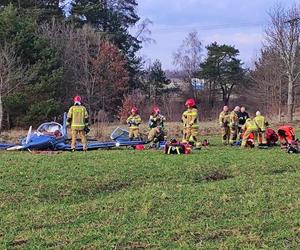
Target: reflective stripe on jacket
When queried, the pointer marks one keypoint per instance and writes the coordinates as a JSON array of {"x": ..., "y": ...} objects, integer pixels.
[
  {"x": 260, "y": 122},
  {"x": 190, "y": 118},
  {"x": 78, "y": 114},
  {"x": 234, "y": 119},
  {"x": 250, "y": 125},
  {"x": 224, "y": 118},
  {"x": 134, "y": 121}
]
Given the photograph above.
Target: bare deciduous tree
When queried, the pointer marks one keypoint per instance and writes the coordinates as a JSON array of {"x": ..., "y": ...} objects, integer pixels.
[
  {"x": 11, "y": 74},
  {"x": 283, "y": 35},
  {"x": 267, "y": 82},
  {"x": 189, "y": 56}
]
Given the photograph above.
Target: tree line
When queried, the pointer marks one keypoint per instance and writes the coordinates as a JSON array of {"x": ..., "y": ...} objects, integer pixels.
[
  {"x": 271, "y": 84},
  {"x": 52, "y": 50}
]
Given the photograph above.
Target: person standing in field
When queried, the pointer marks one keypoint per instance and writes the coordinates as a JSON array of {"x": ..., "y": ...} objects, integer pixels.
[
  {"x": 224, "y": 120},
  {"x": 134, "y": 121},
  {"x": 234, "y": 122},
  {"x": 191, "y": 123},
  {"x": 243, "y": 116},
  {"x": 261, "y": 125},
  {"x": 78, "y": 119}
]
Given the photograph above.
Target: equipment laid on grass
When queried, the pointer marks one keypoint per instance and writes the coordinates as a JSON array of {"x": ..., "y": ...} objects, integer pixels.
[
  {"x": 177, "y": 148},
  {"x": 293, "y": 147}
]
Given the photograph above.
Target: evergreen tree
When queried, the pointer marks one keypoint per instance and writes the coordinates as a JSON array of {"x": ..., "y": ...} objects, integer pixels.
[
  {"x": 43, "y": 10},
  {"x": 155, "y": 81},
  {"x": 37, "y": 99},
  {"x": 223, "y": 69}
]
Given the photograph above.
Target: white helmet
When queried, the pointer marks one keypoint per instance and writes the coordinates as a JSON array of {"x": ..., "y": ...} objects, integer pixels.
[{"x": 258, "y": 113}]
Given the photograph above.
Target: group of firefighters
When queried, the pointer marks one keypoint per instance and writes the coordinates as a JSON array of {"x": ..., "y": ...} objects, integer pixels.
[
  {"x": 238, "y": 124},
  {"x": 235, "y": 124}
]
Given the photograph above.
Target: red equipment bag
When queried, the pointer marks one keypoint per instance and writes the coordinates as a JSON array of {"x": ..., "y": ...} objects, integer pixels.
[
  {"x": 177, "y": 148},
  {"x": 271, "y": 137}
]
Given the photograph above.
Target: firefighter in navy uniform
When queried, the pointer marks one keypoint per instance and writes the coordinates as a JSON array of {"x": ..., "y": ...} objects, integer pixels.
[
  {"x": 78, "y": 119},
  {"x": 243, "y": 116}
]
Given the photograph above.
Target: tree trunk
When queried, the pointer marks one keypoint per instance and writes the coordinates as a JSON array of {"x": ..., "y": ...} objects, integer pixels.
[{"x": 290, "y": 101}]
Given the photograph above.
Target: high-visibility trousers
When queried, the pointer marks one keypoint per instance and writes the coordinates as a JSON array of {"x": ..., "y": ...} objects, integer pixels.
[
  {"x": 262, "y": 137},
  {"x": 81, "y": 133},
  {"x": 246, "y": 137},
  {"x": 225, "y": 134},
  {"x": 190, "y": 134},
  {"x": 134, "y": 133},
  {"x": 233, "y": 133}
]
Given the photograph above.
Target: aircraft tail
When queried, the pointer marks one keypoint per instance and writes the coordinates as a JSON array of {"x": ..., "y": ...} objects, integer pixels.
[{"x": 65, "y": 130}]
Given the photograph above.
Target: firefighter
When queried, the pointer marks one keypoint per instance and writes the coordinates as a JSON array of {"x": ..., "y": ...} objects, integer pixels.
[
  {"x": 250, "y": 129},
  {"x": 78, "y": 118},
  {"x": 243, "y": 116},
  {"x": 134, "y": 121},
  {"x": 191, "y": 123},
  {"x": 156, "y": 125},
  {"x": 261, "y": 125},
  {"x": 234, "y": 125},
  {"x": 286, "y": 135},
  {"x": 224, "y": 120}
]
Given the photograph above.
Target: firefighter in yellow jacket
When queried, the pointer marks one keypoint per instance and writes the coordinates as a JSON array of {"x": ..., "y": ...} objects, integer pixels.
[
  {"x": 234, "y": 125},
  {"x": 78, "y": 119},
  {"x": 134, "y": 121},
  {"x": 261, "y": 125},
  {"x": 224, "y": 121},
  {"x": 249, "y": 127},
  {"x": 191, "y": 123},
  {"x": 156, "y": 125}
]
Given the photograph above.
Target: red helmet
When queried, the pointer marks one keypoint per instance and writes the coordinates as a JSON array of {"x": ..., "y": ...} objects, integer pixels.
[
  {"x": 134, "y": 110},
  {"x": 77, "y": 98},
  {"x": 155, "y": 110},
  {"x": 190, "y": 103}
]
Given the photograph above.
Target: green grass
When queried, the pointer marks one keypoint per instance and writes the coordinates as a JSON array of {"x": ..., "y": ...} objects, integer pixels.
[{"x": 125, "y": 199}]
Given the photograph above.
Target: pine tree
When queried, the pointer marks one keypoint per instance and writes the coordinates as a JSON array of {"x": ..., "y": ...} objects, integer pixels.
[
  {"x": 223, "y": 68},
  {"x": 43, "y": 10}
]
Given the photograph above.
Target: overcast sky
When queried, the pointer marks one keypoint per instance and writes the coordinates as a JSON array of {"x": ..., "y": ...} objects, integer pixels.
[{"x": 235, "y": 22}]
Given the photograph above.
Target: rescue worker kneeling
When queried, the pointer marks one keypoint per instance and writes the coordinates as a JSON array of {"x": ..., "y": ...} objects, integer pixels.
[
  {"x": 191, "y": 124},
  {"x": 261, "y": 125},
  {"x": 134, "y": 121},
  {"x": 78, "y": 118},
  {"x": 250, "y": 129},
  {"x": 286, "y": 135},
  {"x": 156, "y": 125},
  {"x": 224, "y": 120}
]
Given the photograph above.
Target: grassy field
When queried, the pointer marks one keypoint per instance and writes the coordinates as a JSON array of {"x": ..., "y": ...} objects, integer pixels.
[{"x": 218, "y": 198}]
